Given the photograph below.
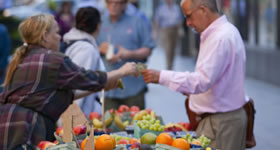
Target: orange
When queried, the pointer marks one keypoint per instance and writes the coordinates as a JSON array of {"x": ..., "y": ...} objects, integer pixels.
[
  {"x": 181, "y": 144},
  {"x": 164, "y": 138},
  {"x": 104, "y": 142},
  {"x": 83, "y": 144}
]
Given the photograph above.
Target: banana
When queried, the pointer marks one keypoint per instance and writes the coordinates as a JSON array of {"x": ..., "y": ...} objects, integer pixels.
[
  {"x": 119, "y": 122},
  {"x": 97, "y": 123},
  {"x": 140, "y": 115},
  {"x": 108, "y": 121}
]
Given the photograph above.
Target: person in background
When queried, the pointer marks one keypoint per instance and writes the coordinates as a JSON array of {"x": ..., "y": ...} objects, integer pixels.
[
  {"x": 168, "y": 21},
  {"x": 39, "y": 85},
  {"x": 129, "y": 39},
  {"x": 84, "y": 51},
  {"x": 65, "y": 18},
  {"x": 5, "y": 48},
  {"x": 132, "y": 9},
  {"x": 216, "y": 87},
  {"x": 98, "y": 4}
]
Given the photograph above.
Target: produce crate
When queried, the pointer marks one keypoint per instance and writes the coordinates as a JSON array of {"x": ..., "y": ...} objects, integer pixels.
[
  {"x": 165, "y": 147},
  {"x": 66, "y": 146},
  {"x": 138, "y": 132}
]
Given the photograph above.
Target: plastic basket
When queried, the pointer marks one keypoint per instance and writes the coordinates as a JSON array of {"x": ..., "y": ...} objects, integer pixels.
[{"x": 138, "y": 132}]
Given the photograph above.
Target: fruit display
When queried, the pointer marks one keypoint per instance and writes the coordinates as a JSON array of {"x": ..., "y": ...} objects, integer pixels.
[{"x": 149, "y": 133}]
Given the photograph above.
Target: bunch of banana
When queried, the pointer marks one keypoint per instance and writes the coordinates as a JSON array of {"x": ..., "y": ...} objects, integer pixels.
[
  {"x": 140, "y": 114},
  {"x": 98, "y": 123},
  {"x": 119, "y": 123}
]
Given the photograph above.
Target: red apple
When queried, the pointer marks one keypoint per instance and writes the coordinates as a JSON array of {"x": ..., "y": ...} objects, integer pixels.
[
  {"x": 134, "y": 109},
  {"x": 80, "y": 129},
  {"x": 123, "y": 108},
  {"x": 45, "y": 144},
  {"x": 132, "y": 114},
  {"x": 59, "y": 131},
  {"x": 185, "y": 125},
  {"x": 123, "y": 141},
  {"x": 93, "y": 115},
  {"x": 111, "y": 110},
  {"x": 135, "y": 145},
  {"x": 149, "y": 111},
  {"x": 56, "y": 142}
]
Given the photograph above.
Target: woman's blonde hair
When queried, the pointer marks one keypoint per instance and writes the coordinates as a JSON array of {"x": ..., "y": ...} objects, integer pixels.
[{"x": 31, "y": 31}]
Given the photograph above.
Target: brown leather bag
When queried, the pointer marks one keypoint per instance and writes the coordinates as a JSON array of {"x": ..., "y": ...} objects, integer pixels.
[{"x": 250, "y": 111}]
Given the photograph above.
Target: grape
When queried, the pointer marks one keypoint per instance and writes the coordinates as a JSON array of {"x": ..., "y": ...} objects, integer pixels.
[{"x": 157, "y": 121}]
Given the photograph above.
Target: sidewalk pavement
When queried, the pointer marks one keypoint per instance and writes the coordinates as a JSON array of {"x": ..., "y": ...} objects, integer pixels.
[{"x": 170, "y": 105}]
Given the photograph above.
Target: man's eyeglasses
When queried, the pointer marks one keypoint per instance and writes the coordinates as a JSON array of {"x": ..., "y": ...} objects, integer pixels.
[
  {"x": 188, "y": 16},
  {"x": 116, "y": 2}
]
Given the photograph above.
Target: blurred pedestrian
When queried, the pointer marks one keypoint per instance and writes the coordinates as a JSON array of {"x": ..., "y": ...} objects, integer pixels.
[
  {"x": 132, "y": 9},
  {"x": 216, "y": 87},
  {"x": 5, "y": 48},
  {"x": 127, "y": 38},
  {"x": 83, "y": 45},
  {"x": 65, "y": 17},
  {"x": 168, "y": 20},
  {"x": 39, "y": 85}
]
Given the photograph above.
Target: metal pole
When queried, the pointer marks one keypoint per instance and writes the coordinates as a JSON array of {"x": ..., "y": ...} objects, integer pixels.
[
  {"x": 256, "y": 16},
  {"x": 278, "y": 23}
]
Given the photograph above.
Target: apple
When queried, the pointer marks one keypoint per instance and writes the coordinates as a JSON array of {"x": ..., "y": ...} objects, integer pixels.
[
  {"x": 80, "y": 129},
  {"x": 123, "y": 141},
  {"x": 45, "y": 144},
  {"x": 185, "y": 125},
  {"x": 135, "y": 145},
  {"x": 123, "y": 108},
  {"x": 93, "y": 115},
  {"x": 59, "y": 131},
  {"x": 134, "y": 109},
  {"x": 56, "y": 142},
  {"x": 149, "y": 111},
  {"x": 111, "y": 110},
  {"x": 132, "y": 114}
]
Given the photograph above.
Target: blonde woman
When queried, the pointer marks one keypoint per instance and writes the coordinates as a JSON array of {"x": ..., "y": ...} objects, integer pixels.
[{"x": 39, "y": 84}]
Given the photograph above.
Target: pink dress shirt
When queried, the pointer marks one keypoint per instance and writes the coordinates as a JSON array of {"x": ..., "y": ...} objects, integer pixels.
[{"x": 217, "y": 84}]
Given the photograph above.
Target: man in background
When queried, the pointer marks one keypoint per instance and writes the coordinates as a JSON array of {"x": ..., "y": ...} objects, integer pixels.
[{"x": 128, "y": 39}]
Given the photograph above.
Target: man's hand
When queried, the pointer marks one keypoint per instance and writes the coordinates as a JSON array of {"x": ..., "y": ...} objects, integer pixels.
[
  {"x": 103, "y": 48},
  {"x": 151, "y": 76},
  {"x": 123, "y": 53}
]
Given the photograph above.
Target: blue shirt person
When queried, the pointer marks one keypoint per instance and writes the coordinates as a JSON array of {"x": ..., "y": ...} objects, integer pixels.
[
  {"x": 5, "y": 46},
  {"x": 132, "y": 41}
]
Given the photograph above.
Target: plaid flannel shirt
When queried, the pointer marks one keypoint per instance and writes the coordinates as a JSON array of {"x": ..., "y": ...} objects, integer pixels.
[{"x": 39, "y": 92}]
